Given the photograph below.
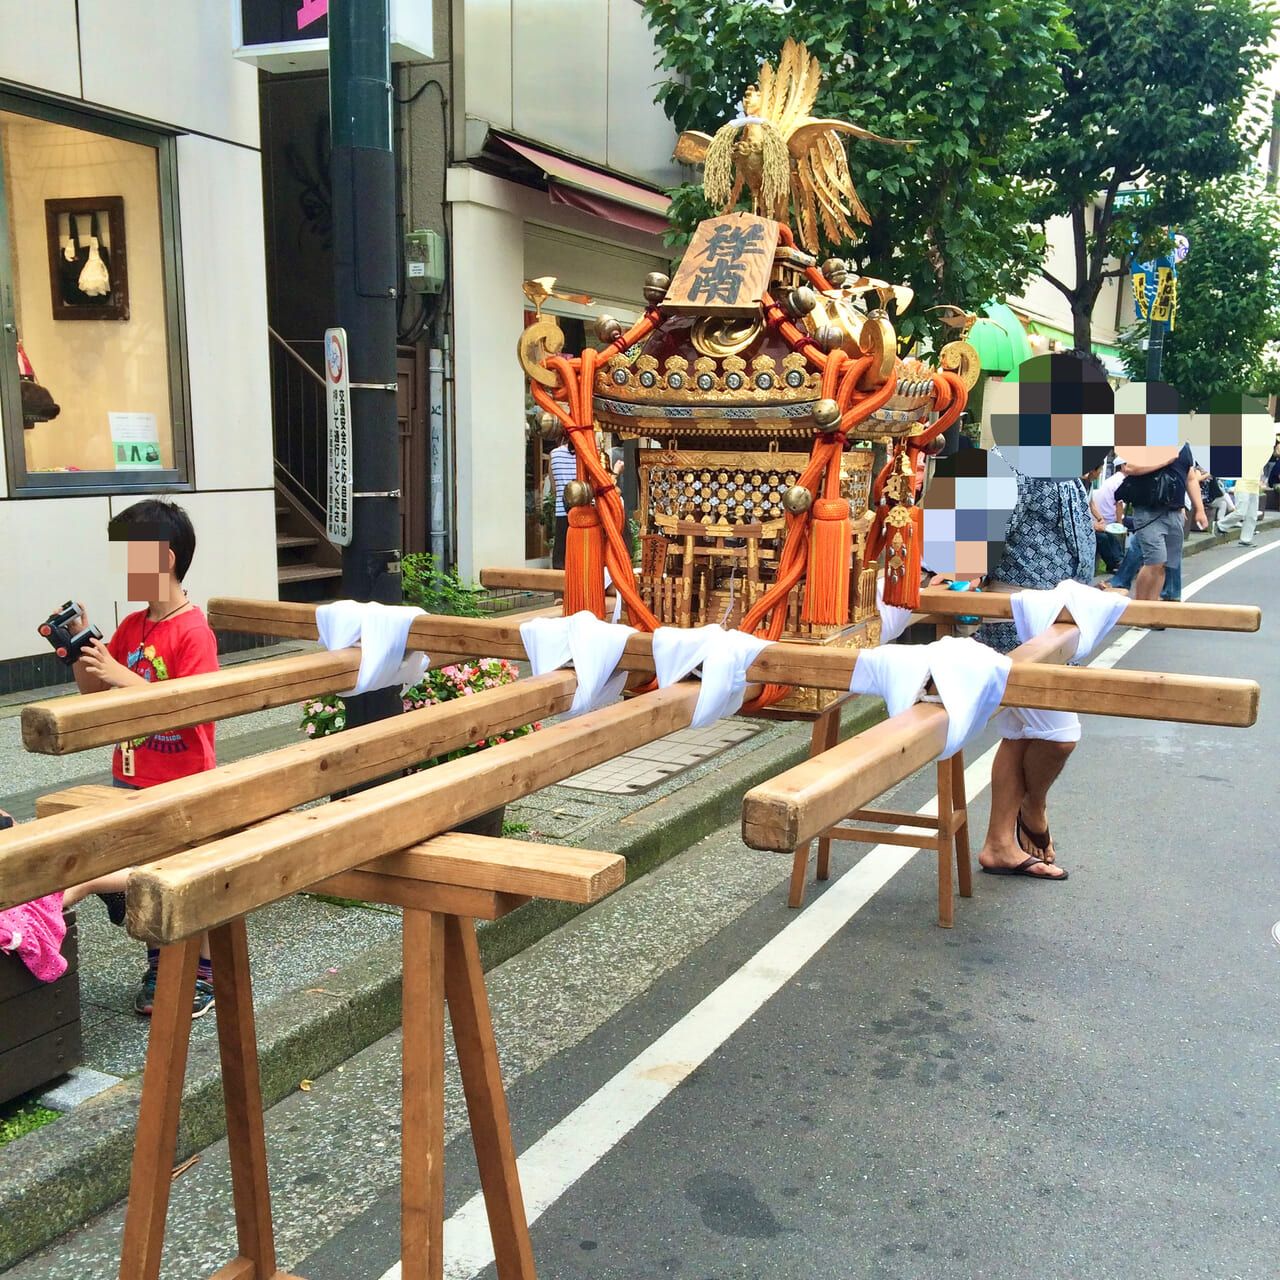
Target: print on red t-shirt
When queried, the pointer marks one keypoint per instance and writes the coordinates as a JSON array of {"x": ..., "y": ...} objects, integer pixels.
[{"x": 182, "y": 645}]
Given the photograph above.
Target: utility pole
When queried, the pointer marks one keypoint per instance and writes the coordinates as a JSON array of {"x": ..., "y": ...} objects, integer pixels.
[{"x": 366, "y": 292}]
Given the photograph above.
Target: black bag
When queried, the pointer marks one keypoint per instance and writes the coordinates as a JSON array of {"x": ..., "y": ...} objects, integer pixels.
[
  {"x": 38, "y": 405},
  {"x": 1158, "y": 490}
]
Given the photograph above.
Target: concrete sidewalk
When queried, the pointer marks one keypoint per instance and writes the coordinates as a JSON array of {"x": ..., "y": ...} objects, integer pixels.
[{"x": 326, "y": 973}]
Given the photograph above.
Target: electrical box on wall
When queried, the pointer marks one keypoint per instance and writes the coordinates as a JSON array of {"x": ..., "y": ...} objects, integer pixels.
[{"x": 424, "y": 261}]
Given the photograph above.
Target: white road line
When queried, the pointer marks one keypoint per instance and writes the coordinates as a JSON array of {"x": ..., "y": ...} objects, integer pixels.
[
  {"x": 1121, "y": 645},
  {"x": 586, "y": 1135}
]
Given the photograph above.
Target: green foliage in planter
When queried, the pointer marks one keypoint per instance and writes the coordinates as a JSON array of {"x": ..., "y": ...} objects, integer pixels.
[
  {"x": 23, "y": 1119},
  {"x": 428, "y": 584}
]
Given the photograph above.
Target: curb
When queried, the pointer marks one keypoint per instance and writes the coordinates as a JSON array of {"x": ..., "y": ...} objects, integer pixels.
[{"x": 79, "y": 1165}]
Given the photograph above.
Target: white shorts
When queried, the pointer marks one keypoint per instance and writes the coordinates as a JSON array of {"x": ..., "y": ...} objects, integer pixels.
[{"x": 1024, "y": 724}]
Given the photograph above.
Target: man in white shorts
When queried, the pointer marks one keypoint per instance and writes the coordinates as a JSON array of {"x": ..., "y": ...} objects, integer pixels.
[{"x": 1049, "y": 539}]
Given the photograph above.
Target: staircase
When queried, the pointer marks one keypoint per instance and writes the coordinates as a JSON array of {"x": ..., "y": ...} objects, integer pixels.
[{"x": 309, "y": 566}]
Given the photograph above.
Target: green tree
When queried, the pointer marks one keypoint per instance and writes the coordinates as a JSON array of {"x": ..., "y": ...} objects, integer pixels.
[
  {"x": 949, "y": 216},
  {"x": 1156, "y": 93},
  {"x": 1228, "y": 296}
]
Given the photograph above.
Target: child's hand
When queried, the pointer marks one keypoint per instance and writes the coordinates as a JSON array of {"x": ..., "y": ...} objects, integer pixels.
[{"x": 96, "y": 659}]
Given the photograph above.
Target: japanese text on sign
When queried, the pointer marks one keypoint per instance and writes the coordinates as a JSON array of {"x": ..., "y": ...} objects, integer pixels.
[
  {"x": 337, "y": 381},
  {"x": 726, "y": 268}
]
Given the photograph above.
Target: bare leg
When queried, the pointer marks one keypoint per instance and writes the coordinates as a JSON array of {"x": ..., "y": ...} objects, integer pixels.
[
  {"x": 1041, "y": 765},
  {"x": 113, "y": 882},
  {"x": 1008, "y": 792},
  {"x": 1149, "y": 582}
]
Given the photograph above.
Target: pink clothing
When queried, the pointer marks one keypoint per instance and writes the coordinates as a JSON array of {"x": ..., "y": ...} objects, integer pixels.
[{"x": 35, "y": 931}]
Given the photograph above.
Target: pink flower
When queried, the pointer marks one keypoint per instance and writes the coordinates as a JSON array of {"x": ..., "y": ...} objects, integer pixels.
[{"x": 311, "y": 731}]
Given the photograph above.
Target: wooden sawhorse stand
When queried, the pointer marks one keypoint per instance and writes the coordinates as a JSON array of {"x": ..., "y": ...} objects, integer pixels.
[
  {"x": 441, "y": 962},
  {"x": 950, "y": 827}
]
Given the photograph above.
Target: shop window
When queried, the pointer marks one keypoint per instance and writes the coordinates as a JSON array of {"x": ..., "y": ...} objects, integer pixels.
[{"x": 91, "y": 371}]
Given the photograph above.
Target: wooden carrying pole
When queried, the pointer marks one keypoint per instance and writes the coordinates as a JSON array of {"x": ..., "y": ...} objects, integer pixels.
[
  {"x": 136, "y": 826},
  {"x": 797, "y": 806},
  {"x": 1137, "y": 613},
  {"x": 985, "y": 604},
  {"x": 101, "y": 718},
  {"x": 191, "y": 891}
]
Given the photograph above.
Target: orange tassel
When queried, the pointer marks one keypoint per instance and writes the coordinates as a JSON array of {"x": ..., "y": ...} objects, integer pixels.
[
  {"x": 584, "y": 562},
  {"x": 826, "y": 596},
  {"x": 904, "y": 543}
]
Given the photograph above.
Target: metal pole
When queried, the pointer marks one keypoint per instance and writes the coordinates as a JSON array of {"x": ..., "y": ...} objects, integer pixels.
[{"x": 365, "y": 271}]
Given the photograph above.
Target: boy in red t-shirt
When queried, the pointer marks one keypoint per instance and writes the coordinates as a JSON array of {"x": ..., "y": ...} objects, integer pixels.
[{"x": 168, "y": 639}]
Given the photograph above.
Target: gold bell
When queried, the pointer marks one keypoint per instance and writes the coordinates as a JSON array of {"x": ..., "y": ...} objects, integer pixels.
[
  {"x": 577, "y": 493},
  {"x": 656, "y": 284},
  {"x": 829, "y": 337},
  {"x": 797, "y": 499},
  {"x": 826, "y": 414},
  {"x": 835, "y": 271},
  {"x": 608, "y": 329},
  {"x": 548, "y": 425}
]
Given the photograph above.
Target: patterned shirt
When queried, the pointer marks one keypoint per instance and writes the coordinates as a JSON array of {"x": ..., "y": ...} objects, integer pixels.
[{"x": 1049, "y": 539}]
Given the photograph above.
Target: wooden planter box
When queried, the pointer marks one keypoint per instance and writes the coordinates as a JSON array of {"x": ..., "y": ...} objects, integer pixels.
[{"x": 39, "y": 1022}]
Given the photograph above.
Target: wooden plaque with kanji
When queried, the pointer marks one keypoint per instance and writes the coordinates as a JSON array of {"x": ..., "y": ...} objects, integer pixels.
[{"x": 726, "y": 268}]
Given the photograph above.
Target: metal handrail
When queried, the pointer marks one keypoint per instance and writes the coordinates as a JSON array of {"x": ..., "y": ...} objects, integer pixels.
[
  {"x": 299, "y": 413},
  {"x": 296, "y": 355}
]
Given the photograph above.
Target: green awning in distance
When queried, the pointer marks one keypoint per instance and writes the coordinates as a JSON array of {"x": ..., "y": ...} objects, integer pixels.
[{"x": 999, "y": 339}]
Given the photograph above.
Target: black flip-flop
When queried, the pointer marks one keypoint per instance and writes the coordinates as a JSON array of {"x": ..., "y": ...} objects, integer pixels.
[
  {"x": 1024, "y": 869},
  {"x": 1038, "y": 840}
]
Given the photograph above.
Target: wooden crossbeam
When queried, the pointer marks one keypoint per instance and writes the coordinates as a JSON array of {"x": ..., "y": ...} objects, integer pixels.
[
  {"x": 137, "y": 826},
  {"x": 819, "y": 667},
  {"x": 1137, "y": 613},
  {"x": 190, "y": 891},
  {"x": 513, "y": 870},
  {"x": 518, "y": 579},
  {"x": 986, "y": 604},
  {"x": 799, "y": 805},
  {"x": 77, "y": 722}
]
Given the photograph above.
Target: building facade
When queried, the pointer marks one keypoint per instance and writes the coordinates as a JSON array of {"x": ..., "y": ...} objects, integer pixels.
[{"x": 132, "y": 288}]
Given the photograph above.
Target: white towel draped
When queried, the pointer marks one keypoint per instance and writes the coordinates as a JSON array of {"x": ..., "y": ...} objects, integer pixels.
[
  {"x": 1095, "y": 612},
  {"x": 381, "y": 631},
  {"x": 594, "y": 647},
  {"x": 723, "y": 656},
  {"x": 970, "y": 680}
]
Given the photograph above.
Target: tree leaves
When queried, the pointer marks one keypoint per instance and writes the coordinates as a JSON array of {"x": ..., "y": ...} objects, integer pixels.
[{"x": 967, "y": 84}]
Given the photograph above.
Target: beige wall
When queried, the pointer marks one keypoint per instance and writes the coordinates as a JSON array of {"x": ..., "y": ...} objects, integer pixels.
[
  {"x": 171, "y": 64},
  {"x": 91, "y": 367},
  {"x": 519, "y": 55}
]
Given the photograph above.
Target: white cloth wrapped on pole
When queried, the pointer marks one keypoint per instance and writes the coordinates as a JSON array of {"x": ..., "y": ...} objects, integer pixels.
[
  {"x": 893, "y": 620},
  {"x": 970, "y": 679},
  {"x": 381, "y": 631},
  {"x": 594, "y": 647},
  {"x": 1095, "y": 612},
  {"x": 723, "y": 657}
]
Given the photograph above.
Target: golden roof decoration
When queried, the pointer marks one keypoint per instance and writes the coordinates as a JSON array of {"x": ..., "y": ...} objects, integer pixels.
[{"x": 783, "y": 155}]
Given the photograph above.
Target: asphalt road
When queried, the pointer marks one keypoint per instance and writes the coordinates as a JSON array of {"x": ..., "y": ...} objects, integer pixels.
[{"x": 1078, "y": 1080}]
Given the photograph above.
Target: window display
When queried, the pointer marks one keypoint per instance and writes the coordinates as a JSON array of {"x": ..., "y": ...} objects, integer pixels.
[{"x": 96, "y": 316}]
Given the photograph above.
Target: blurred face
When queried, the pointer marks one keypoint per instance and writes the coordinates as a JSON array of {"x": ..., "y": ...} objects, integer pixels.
[{"x": 148, "y": 570}]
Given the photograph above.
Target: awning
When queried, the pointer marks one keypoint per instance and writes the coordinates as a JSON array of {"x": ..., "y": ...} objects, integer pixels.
[
  {"x": 589, "y": 190},
  {"x": 999, "y": 339}
]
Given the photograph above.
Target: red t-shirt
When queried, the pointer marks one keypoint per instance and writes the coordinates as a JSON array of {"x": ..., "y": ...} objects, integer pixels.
[{"x": 182, "y": 645}]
